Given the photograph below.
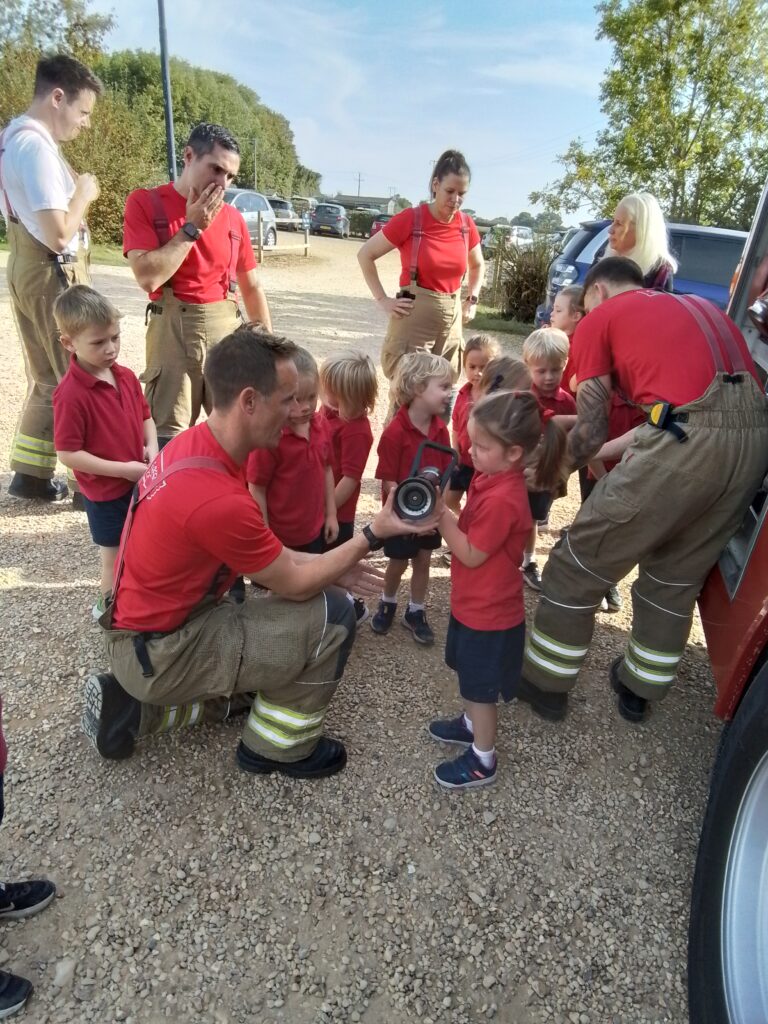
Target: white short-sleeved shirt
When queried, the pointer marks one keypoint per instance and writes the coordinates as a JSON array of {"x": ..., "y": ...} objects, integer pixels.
[{"x": 35, "y": 177}]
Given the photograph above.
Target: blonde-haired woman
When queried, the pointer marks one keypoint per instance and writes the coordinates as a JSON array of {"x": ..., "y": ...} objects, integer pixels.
[{"x": 639, "y": 232}]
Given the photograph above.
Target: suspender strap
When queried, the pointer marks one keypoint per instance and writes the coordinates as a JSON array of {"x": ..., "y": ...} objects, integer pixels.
[
  {"x": 234, "y": 250},
  {"x": 725, "y": 350},
  {"x": 159, "y": 217},
  {"x": 154, "y": 478},
  {"x": 4, "y": 139},
  {"x": 418, "y": 233}
]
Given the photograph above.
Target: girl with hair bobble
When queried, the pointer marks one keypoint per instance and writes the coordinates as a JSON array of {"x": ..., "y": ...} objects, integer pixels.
[{"x": 486, "y": 631}]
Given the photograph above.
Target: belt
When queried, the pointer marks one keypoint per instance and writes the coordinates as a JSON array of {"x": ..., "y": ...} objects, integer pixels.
[{"x": 62, "y": 257}]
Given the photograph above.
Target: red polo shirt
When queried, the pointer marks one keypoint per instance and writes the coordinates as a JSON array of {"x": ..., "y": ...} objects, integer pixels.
[
  {"x": 462, "y": 407},
  {"x": 351, "y": 442},
  {"x": 191, "y": 537},
  {"x": 400, "y": 441},
  {"x": 651, "y": 346},
  {"x": 204, "y": 274},
  {"x": 294, "y": 477},
  {"x": 561, "y": 402},
  {"x": 497, "y": 521},
  {"x": 92, "y": 415},
  {"x": 442, "y": 258}
]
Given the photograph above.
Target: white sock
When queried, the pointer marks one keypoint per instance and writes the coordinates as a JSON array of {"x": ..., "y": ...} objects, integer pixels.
[
  {"x": 487, "y": 758},
  {"x": 389, "y": 600},
  {"x": 350, "y": 598},
  {"x": 527, "y": 557},
  {"x": 468, "y": 723},
  {"x": 415, "y": 607}
]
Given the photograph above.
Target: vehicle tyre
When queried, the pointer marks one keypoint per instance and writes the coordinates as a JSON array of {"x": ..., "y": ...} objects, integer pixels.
[
  {"x": 728, "y": 933},
  {"x": 270, "y": 238}
]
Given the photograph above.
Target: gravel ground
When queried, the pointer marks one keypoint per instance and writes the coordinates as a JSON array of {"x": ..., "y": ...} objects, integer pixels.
[{"x": 189, "y": 891}]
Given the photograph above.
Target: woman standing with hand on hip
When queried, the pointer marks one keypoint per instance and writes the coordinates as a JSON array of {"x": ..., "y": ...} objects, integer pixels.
[{"x": 438, "y": 246}]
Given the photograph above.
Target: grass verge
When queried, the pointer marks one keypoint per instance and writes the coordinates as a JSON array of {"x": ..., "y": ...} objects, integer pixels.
[{"x": 488, "y": 319}]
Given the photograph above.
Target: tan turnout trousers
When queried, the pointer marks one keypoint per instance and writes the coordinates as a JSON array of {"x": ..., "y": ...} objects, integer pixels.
[
  {"x": 669, "y": 508},
  {"x": 34, "y": 283},
  {"x": 179, "y": 336}
]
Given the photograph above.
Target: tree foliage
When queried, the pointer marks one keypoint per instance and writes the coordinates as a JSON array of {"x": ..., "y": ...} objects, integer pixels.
[
  {"x": 685, "y": 99},
  {"x": 125, "y": 148}
]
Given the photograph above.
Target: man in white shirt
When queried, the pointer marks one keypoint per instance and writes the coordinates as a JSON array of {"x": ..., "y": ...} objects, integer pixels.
[{"x": 44, "y": 203}]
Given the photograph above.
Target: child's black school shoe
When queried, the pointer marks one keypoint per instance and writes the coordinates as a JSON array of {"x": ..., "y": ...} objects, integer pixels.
[
  {"x": 552, "y": 706},
  {"x": 631, "y": 707},
  {"x": 532, "y": 576},
  {"x": 384, "y": 617},
  {"x": 14, "y": 992},
  {"x": 111, "y": 717},
  {"x": 361, "y": 611},
  {"x": 24, "y": 899},
  {"x": 418, "y": 625},
  {"x": 451, "y": 730},
  {"x": 24, "y": 486},
  {"x": 328, "y": 758},
  {"x": 466, "y": 772}
]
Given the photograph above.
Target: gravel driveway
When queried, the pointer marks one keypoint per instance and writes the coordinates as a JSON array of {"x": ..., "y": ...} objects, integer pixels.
[{"x": 191, "y": 892}]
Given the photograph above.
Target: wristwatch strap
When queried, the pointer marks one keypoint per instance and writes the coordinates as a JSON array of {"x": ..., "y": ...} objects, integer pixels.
[
  {"x": 374, "y": 542},
  {"x": 191, "y": 231}
]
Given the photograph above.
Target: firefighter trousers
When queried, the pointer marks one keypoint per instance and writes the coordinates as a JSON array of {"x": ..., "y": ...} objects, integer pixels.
[
  {"x": 34, "y": 283},
  {"x": 669, "y": 508},
  {"x": 284, "y": 658},
  {"x": 179, "y": 336}
]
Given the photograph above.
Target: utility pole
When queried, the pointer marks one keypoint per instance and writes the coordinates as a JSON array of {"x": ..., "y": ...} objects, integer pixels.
[
  {"x": 170, "y": 144},
  {"x": 255, "y": 162},
  {"x": 359, "y": 179}
]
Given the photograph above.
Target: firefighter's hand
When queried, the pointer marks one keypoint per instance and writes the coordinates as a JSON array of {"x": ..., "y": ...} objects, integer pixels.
[
  {"x": 362, "y": 580},
  {"x": 87, "y": 187},
  {"x": 202, "y": 207}
]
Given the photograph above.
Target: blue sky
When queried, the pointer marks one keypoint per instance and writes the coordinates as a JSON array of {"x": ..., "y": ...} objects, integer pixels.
[{"x": 383, "y": 88}]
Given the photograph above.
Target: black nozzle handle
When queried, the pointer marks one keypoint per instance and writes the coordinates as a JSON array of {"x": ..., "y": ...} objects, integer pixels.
[{"x": 416, "y": 464}]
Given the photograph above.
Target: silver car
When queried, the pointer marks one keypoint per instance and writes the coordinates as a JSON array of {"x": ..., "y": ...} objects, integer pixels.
[
  {"x": 251, "y": 204},
  {"x": 287, "y": 218}
]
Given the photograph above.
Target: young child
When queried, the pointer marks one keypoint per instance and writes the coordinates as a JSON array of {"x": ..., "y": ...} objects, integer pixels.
[
  {"x": 486, "y": 631},
  {"x": 349, "y": 388},
  {"x": 545, "y": 353},
  {"x": 422, "y": 388},
  {"x": 567, "y": 313},
  {"x": 293, "y": 483},
  {"x": 103, "y": 429},
  {"x": 478, "y": 352}
]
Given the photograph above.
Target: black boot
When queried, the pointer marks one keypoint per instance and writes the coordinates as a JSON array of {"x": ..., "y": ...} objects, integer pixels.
[
  {"x": 111, "y": 718},
  {"x": 328, "y": 757},
  {"x": 631, "y": 707},
  {"x": 24, "y": 486},
  {"x": 552, "y": 706},
  {"x": 14, "y": 992}
]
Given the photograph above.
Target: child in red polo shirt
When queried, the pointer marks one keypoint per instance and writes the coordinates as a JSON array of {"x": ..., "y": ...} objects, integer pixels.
[
  {"x": 102, "y": 427},
  {"x": 293, "y": 483},
  {"x": 422, "y": 388},
  {"x": 478, "y": 352},
  {"x": 486, "y": 631},
  {"x": 545, "y": 353}
]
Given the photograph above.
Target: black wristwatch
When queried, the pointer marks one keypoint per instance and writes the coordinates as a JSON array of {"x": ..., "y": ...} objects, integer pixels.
[
  {"x": 374, "y": 542},
  {"x": 191, "y": 231},
  {"x": 473, "y": 300}
]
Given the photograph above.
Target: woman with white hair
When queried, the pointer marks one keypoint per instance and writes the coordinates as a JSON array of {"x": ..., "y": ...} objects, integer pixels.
[{"x": 639, "y": 232}]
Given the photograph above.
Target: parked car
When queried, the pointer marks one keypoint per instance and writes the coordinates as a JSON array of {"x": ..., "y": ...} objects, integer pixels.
[
  {"x": 251, "y": 204},
  {"x": 727, "y": 947},
  {"x": 512, "y": 234},
  {"x": 707, "y": 258},
  {"x": 380, "y": 221},
  {"x": 285, "y": 215},
  {"x": 329, "y": 219}
]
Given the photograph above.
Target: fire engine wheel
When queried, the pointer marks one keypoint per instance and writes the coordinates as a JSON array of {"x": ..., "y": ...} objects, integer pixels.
[{"x": 728, "y": 937}]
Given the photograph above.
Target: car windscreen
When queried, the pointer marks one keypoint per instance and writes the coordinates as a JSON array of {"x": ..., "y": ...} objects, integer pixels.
[
  {"x": 279, "y": 204},
  {"x": 577, "y": 243},
  {"x": 332, "y": 211}
]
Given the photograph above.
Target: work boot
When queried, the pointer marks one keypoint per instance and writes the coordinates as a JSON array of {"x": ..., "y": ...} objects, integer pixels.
[
  {"x": 111, "y": 718},
  {"x": 24, "y": 486},
  {"x": 631, "y": 707},
  {"x": 552, "y": 706},
  {"x": 328, "y": 758}
]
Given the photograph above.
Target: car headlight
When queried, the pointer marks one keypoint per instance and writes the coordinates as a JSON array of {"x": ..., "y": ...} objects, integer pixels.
[{"x": 564, "y": 274}]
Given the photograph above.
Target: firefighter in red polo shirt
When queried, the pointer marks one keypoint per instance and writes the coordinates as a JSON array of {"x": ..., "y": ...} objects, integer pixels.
[
  {"x": 191, "y": 252},
  {"x": 182, "y": 651},
  {"x": 673, "y": 501}
]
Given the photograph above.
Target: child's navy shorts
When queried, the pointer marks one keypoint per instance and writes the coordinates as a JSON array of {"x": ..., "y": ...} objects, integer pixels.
[
  {"x": 540, "y": 502},
  {"x": 487, "y": 662},
  {"x": 346, "y": 532},
  {"x": 106, "y": 519},
  {"x": 409, "y": 546},
  {"x": 461, "y": 478}
]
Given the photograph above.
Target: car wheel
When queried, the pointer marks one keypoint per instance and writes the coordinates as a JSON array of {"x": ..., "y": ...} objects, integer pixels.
[
  {"x": 728, "y": 934},
  {"x": 270, "y": 238}
]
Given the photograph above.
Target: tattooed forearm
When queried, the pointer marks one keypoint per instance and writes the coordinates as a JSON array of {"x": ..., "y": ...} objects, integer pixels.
[{"x": 591, "y": 428}]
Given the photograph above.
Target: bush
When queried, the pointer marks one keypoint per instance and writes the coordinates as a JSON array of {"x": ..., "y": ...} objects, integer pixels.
[
  {"x": 523, "y": 276},
  {"x": 360, "y": 223}
]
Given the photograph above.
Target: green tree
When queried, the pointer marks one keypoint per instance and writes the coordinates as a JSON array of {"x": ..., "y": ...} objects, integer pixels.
[
  {"x": 685, "y": 99},
  {"x": 547, "y": 222},
  {"x": 524, "y": 219},
  {"x": 48, "y": 24}
]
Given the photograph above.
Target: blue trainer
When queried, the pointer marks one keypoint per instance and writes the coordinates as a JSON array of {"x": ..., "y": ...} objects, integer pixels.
[
  {"x": 451, "y": 730},
  {"x": 466, "y": 772}
]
